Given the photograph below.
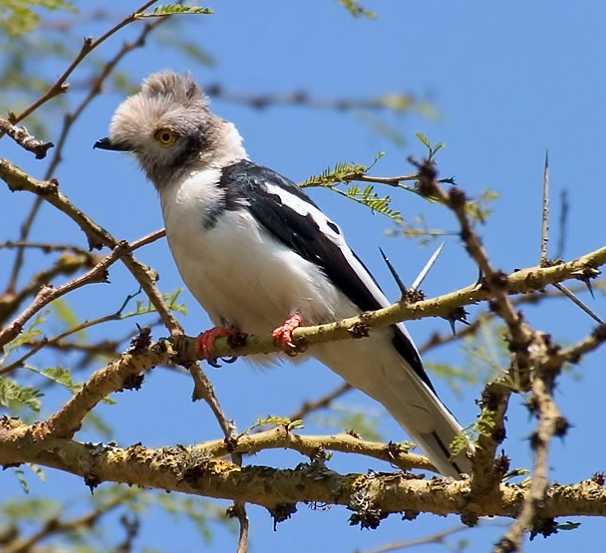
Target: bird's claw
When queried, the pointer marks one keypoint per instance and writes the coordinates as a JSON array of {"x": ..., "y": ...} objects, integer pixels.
[
  {"x": 205, "y": 343},
  {"x": 283, "y": 334}
]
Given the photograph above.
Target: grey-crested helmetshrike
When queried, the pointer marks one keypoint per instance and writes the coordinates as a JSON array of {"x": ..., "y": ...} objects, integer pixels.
[{"x": 261, "y": 257}]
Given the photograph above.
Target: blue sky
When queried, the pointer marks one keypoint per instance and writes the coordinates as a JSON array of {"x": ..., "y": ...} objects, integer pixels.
[{"x": 508, "y": 81}]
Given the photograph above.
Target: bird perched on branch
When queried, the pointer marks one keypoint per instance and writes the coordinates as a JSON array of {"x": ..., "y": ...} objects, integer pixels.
[{"x": 261, "y": 257}]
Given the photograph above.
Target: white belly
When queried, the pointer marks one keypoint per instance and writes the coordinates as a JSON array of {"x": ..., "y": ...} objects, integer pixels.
[{"x": 241, "y": 275}]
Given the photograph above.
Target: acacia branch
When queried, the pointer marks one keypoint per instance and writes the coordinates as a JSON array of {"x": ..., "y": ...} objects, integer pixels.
[
  {"x": 315, "y": 447},
  {"x": 123, "y": 373},
  {"x": 47, "y": 293},
  {"x": 189, "y": 470},
  {"x": 19, "y": 180},
  {"x": 65, "y": 264}
]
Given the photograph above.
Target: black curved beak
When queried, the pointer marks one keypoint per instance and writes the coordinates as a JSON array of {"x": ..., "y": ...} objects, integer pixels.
[{"x": 107, "y": 144}]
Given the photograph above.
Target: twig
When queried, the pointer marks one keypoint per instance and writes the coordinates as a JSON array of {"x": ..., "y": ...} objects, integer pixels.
[
  {"x": 66, "y": 264},
  {"x": 261, "y": 101},
  {"x": 22, "y": 137},
  {"x": 88, "y": 46},
  {"x": 238, "y": 511},
  {"x": 320, "y": 403},
  {"x": 17, "y": 179},
  {"x": 47, "y": 293},
  {"x": 436, "y": 537},
  {"x": 56, "y": 526},
  {"x": 45, "y": 247},
  {"x": 281, "y": 437}
]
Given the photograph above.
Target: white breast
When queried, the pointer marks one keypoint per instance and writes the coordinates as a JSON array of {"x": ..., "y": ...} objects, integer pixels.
[{"x": 238, "y": 272}]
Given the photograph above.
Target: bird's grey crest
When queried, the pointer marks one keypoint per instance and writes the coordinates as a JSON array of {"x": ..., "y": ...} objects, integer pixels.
[{"x": 169, "y": 128}]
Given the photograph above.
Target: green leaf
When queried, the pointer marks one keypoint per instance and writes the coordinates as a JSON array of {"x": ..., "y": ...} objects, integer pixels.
[
  {"x": 273, "y": 420},
  {"x": 20, "y": 474},
  {"x": 14, "y": 396},
  {"x": 433, "y": 150},
  {"x": 66, "y": 314},
  {"x": 62, "y": 376},
  {"x": 177, "y": 9},
  {"x": 38, "y": 471},
  {"x": 479, "y": 210},
  {"x": 31, "y": 508},
  {"x": 144, "y": 307},
  {"x": 423, "y": 139},
  {"x": 26, "y": 335},
  {"x": 356, "y": 9}
]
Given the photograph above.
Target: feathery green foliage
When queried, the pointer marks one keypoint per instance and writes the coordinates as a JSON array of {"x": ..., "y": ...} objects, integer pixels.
[
  {"x": 15, "y": 396},
  {"x": 347, "y": 172},
  {"x": 271, "y": 420},
  {"x": 20, "y": 16},
  {"x": 479, "y": 209},
  {"x": 144, "y": 307},
  {"x": 177, "y": 9}
]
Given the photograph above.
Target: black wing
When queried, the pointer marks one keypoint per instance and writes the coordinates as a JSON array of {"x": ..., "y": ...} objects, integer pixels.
[{"x": 295, "y": 226}]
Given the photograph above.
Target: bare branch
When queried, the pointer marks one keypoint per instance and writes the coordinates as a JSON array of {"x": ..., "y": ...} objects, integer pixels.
[
  {"x": 60, "y": 86},
  {"x": 436, "y": 537},
  {"x": 22, "y": 137},
  {"x": 17, "y": 179}
]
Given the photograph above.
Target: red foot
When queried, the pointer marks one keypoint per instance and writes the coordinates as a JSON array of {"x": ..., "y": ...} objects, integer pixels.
[
  {"x": 283, "y": 334},
  {"x": 205, "y": 342}
]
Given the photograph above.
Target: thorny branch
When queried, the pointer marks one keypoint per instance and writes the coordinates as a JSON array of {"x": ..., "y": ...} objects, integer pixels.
[
  {"x": 535, "y": 365},
  {"x": 189, "y": 470}
]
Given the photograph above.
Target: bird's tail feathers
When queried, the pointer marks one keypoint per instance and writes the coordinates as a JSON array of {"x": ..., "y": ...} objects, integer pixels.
[
  {"x": 388, "y": 379},
  {"x": 431, "y": 426}
]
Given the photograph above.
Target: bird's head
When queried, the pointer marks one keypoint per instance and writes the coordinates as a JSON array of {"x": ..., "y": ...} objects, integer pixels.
[{"x": 169, "y": 128}]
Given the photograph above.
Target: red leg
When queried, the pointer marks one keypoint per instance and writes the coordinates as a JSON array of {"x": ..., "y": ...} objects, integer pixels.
[
  {"x": 205, "y": 342},
  {"x": 283, "y": 334}
]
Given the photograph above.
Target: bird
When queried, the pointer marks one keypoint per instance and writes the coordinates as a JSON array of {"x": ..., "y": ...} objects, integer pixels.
[{"x": 260, "y": 256}]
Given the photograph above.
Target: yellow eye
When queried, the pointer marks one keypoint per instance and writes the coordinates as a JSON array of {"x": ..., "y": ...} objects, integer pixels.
[{"x": 166, "y": 137}]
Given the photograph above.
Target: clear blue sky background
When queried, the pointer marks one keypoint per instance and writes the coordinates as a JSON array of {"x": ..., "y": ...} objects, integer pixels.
[{"x": 508, "y": 82}]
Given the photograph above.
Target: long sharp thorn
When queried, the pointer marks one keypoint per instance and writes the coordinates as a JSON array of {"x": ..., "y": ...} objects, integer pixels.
[
  {"x": 545, "y": 218},
  {"x": 394, "y": 273},
  {"x": 452, "y": 322},
  {"x": 590, "y": 288},
  {"x": 427, "y": 267},
  {"x": 570, "y": 295}
]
